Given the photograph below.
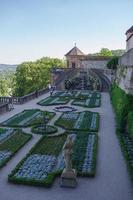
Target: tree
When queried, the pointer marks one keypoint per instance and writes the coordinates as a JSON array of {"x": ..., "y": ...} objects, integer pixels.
[
  {"x": 105, "y": 52},
  {"x": 118, "y": 52},
  {"x": 112, "y": 64},
  {"x": 32, "y": 76},
  {"x": 6, "y": 82}
]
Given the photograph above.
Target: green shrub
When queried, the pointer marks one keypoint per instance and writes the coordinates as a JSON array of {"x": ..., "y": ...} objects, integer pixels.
[
  {"x": 112, "y": 64},
  {"x": 130, "y": 123},
  {"x": 123, "y": 106}
]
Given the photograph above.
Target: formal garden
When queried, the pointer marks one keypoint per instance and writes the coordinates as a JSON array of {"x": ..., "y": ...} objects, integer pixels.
[
  {"x": 45, "y": 160},
  {"x": 80, "y": 98}
]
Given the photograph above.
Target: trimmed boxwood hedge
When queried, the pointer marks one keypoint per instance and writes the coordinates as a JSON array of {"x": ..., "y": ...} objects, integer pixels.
[{"x": 49, "y": 130}]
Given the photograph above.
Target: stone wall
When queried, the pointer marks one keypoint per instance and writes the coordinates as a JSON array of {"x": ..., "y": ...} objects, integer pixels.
[
  {"x": 129, "y": 44},
  {"x": 127, "y": 58},
  {"x": 124, "y": 78},
  {"x": 125, "y": 72},
  {"x": 95, "y": 64}
]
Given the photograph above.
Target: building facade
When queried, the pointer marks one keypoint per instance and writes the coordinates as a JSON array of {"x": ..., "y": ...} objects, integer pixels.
[
  {"x": 129, "y": 40},
  {"x": 77, "y": 59},
  {"x": 125, "y": 69}
]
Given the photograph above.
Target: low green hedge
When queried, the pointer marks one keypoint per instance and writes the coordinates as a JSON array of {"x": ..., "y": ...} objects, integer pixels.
[
  {"x": 15, "y": 120},
  {"x": 13, "y": 144},
  {"x": 48, "y": 101},
  {"x": 91, "y": 104},
  {"x": 46, "y": 145},
  {"x": 49, "y": 130},
  {"x": 69, "y": 124},
  {"x": 51, "y": 146}
]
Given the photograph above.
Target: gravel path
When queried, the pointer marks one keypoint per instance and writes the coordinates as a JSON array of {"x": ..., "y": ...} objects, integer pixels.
[{"x": 111, "y": 182}]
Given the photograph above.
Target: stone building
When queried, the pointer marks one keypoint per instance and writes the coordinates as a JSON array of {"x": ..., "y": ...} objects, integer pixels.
[
  {"x": 77, "y": 59},
  {"x": 125, "y": 68},
  {"x": 129, "y": 41}
]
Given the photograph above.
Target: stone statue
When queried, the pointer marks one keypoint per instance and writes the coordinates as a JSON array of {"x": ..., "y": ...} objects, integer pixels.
[
  {"x": 68, "y": 150},
  {"x": 69, "y": 175}
]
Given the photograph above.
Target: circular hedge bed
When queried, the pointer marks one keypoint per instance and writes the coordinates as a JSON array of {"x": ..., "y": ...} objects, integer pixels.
[
  {"x": 64, "y": 109},
  {"x": 39, "y": 129}
]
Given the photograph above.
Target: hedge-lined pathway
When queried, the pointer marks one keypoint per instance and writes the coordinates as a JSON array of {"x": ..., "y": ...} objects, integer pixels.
[{"x": 111, "y": 182}]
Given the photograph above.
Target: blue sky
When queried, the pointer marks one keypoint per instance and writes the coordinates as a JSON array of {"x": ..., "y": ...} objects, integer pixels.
[{"x": 31, "y": 29}]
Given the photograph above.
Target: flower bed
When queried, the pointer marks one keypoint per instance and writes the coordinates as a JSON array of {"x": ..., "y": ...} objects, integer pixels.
[
  {"x": 85, "y": 151},
  {"x": 79, "y": 121},
  {"x": 5, "y": 133},
  {"x": 28, "y": 118},
  {"x": 45, "y": 161},
  {"x": 91, "y": 102},
  {"x": 93, "y": 122},
  {"x": 39, "y": 166},
  {"x": 88, "y": 94},
  {"x": 11, "y": 145},
  {"x": 65, "y": 94},
  {"x": 4, "y": 157},
  {"x": 39, "y": 129},
  {"x": 49, "y": 101},
  {"x": 36, "y": 167}
]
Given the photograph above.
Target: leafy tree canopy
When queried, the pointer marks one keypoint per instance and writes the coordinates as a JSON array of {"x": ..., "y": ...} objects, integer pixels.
[
  {"x": 6, "y": 82},
  {"x": 107, "y": 52},
  {"x": 32, "y": 76}
]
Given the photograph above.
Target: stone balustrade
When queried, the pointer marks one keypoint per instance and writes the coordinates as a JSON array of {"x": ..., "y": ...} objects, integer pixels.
[
  {"x": 3, "y": 108},
  {"x": 5, "y": 101}
]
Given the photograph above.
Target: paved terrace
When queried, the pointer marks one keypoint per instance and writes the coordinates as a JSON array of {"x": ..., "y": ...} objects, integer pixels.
[{"x": 112, "y": 181}]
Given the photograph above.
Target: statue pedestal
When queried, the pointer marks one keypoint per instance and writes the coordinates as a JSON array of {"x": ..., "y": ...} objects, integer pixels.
[{"x": 69, "y": 178}]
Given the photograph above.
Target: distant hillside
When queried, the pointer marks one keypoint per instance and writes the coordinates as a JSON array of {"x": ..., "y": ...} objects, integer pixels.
[{"x": 7, "y": 67}]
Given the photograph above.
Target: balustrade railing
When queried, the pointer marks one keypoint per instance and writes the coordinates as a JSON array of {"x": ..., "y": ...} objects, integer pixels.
[
  {"x": 23, "y": 99},
  {"x": 3, "y": 108}
]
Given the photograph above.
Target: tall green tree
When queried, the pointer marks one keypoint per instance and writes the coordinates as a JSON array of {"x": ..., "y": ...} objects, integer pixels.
[
  {"x": 105, "y": 52},
  {"x": 6, "y": 82},
  {"x": 32, "y": 76}
]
